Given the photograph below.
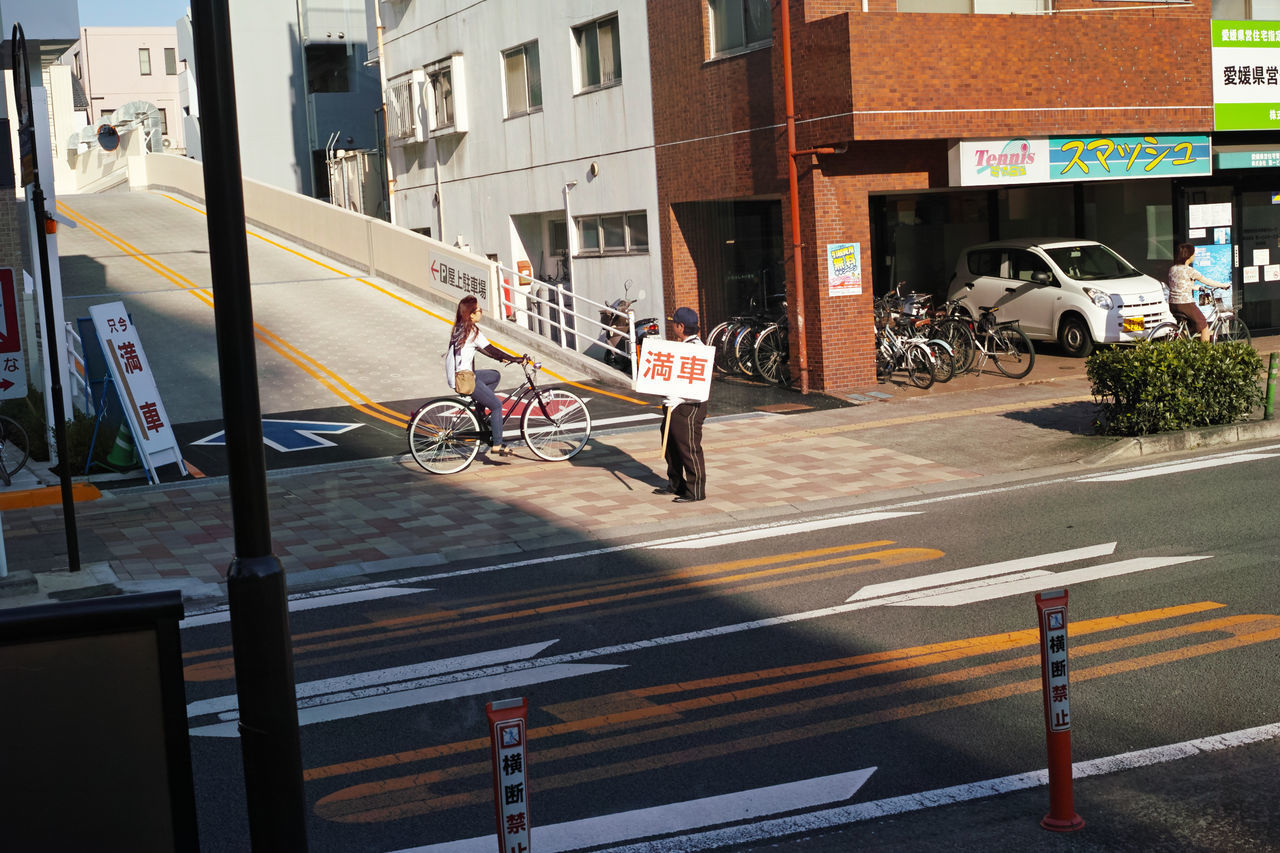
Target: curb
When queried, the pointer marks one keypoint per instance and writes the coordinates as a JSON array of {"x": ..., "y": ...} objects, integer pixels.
[{"x": 1189, "y": 439}]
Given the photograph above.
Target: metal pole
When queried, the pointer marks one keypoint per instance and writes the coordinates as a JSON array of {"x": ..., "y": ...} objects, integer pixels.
[
  {"x": 269, "y": 742},
  {"x": 27, "y": 146},
  {"x": 1269, "y": 410}
]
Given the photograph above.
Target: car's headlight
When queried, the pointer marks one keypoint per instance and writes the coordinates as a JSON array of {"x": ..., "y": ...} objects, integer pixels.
[{"x": 1102, "y": 300}]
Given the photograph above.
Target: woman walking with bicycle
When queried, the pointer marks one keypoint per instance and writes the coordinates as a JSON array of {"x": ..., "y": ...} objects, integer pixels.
[
  {"x": 1182, "y": 279},
  {"x": 465, "y": 341}
]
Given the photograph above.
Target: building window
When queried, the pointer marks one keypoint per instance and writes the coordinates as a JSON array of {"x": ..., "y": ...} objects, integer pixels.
[
  {"x": 524, "y": 79},
  {"x": 613, "y": 233},
  {"x": 400, "y": 109},
  {"x": 106, "y": 116},
  {"x": 599, "y": 53},
  {"x": 144, "y": 61},
  {"x": 979, "y": 7},
  {"x": 327, "y": 68},
  {"x": 164, "y": 121},
  {"x": 76, "y": 65},
  {"x": 1246, "y": 10},
  {"x": 441, "y": 83},
  {"x": 170, "y": 61},
  {"x": 738, "y": 25}
]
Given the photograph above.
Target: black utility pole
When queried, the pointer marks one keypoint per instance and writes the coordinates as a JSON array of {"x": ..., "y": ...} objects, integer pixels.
[
  {"x": 30, "y": 164},
  {"x": 255, "y": 581}
]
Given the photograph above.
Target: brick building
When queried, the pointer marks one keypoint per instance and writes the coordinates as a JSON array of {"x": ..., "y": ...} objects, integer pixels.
[{"x": 901, "y": 104}]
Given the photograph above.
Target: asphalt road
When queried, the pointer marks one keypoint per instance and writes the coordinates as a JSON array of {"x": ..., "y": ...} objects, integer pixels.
[{"x": 775, "y": 686}]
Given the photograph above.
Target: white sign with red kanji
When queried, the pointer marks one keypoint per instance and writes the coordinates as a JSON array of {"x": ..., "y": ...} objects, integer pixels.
[
  {"x": 673, "y": 369},
  {"x": 1054, "y": 654},
  {"x": 507, "y": 720},
  {"x": 13, "y": 367},
  {"x": 153, "y": 436}
]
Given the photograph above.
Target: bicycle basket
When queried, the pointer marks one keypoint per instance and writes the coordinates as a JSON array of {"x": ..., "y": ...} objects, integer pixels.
[{"x": 1204, "y": 298}]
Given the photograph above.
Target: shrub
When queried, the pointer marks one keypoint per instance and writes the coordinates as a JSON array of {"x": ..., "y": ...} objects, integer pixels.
[
  {"x": 29, "y": 412},
  {"x": 1173, "y": 385}
]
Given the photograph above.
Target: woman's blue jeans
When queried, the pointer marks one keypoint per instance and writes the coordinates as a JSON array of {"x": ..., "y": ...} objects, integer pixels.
[{"x": 486, "y": 386}]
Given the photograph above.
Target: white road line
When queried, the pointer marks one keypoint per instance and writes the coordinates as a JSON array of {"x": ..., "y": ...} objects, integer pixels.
[
  {"x": 1177, "y": 468},
  {"x": 382, "y": 680},
  {"x": 309, "y": 602},
  {"x": 718, "y": 539},
  {"x": 676, "y": 817},
  {"x": 1021, "y": 564},
  {"x": 648, "y": 416},
  {"x": 842, "y": 816},
  {"x": 986, "y": 590},
  {"x": 486, "y": 685}
]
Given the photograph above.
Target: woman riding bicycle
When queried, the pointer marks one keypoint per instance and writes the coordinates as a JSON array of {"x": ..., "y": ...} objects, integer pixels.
[
  {"x": 465, "y": 341},
  {"x": 1182, "y": 278}
]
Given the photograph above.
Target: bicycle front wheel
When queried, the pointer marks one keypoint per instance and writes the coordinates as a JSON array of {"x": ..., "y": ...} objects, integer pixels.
[
  {"x": 556, "y": 424},
  {"x": 13, "y": 447},
  {"x": 1012, "y": 352},
  {"x": 963, "y": 346},
  {"x": 919, "y": 365},
  {"x": 944, "y": 362},
  {"x": 444, "y": 436},
  {"x": 1233, "y": 329},
  {"x": 743, "y": 355},
  {"x": 771, "y": 355},
  {"x": 718, "y": 338}
]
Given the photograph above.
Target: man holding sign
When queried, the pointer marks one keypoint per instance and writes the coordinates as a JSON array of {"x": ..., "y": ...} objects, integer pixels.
[{"x": 686, "y": 369}]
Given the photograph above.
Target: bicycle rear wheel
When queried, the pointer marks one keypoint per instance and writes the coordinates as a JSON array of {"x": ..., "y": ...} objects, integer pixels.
[
  {"x": 1012, "y": 352},
  {"x": 13, "y": 447},
  {"x": 444, "y": 436},
  {"x": 719, "y": 338},
  {"x": 771, "y": 354},
  {"x": 944, "y": 363},
  {"x": 556, "y": 424}
]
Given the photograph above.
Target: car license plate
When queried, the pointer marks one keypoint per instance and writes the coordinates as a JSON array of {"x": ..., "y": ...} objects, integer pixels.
[{"x": 1133, "y": 324}]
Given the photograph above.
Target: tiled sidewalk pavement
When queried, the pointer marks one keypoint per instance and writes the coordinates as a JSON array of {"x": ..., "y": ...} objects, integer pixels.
[{"x": 390, "y": 511}]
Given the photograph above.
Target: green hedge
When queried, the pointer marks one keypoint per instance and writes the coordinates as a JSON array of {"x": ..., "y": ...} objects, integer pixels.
[{"x": 1173, "y": 385}]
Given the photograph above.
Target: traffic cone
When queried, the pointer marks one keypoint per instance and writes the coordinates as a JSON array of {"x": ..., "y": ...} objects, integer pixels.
[{"x": 123, "y": 455}]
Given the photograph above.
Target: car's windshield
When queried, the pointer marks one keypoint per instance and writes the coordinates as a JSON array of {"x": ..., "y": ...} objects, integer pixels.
[{"x": 1092, "y": 262}]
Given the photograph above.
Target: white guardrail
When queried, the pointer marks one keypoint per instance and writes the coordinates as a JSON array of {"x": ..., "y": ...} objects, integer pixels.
[{"x": 552, "y": 310}]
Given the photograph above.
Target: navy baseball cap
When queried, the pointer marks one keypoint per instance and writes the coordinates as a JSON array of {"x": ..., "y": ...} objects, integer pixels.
[{"x": 686, "y": 317}]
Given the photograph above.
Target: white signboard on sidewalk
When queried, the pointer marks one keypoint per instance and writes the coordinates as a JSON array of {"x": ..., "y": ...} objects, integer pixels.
[
  {"x": 144, "y": 412},
  {"x": 672, "y": 369}
]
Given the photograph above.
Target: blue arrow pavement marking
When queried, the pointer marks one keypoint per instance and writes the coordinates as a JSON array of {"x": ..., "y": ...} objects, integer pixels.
[{"x": 288, "y": 436}]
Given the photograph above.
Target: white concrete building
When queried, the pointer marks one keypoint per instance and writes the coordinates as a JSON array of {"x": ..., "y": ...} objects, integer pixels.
[
  {"x": 506, "y": 119},
  {"x": 118, "y": 66},
  {"x": 304, "y": 86}
]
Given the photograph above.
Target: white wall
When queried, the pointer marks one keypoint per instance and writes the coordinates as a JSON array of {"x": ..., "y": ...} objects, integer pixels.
[{"x": 506, "y": 177}]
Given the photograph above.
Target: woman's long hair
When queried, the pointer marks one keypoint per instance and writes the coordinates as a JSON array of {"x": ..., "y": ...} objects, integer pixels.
[{"x": 464, "y": 329}]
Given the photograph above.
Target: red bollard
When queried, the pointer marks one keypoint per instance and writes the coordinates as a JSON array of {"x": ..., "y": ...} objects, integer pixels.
[{"x": 1051, "y": 607}]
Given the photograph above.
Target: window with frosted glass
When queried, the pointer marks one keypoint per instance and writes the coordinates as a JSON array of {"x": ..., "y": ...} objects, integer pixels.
[{"x": 144, "y": 61}]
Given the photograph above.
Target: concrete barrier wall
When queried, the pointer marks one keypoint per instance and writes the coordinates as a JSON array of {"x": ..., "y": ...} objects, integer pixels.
[{"x": 377, "y": 247}]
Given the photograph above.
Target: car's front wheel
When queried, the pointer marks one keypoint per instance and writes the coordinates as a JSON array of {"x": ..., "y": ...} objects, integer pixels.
[{"x": 1074, "y": 337}]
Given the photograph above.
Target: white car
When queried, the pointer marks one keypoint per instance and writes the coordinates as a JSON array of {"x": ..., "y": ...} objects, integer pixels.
[{"x": 1077, "y": 292}]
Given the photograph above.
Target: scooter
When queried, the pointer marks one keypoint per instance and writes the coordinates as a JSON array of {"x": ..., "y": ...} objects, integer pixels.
[{"x": 614, "y": 321}]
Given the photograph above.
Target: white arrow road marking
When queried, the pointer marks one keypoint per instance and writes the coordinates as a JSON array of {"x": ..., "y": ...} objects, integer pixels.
[
  {"x": 627, "y": 419},
  {"x": 1021, "y": 564},
  {"x": 1176, "y": 467},
  {"x": 330, "y": 710},
  {"x": 748, "y": 535},
  {"x": 677, "y": 817},
  {"x": 843, "y": 816},
  {"x": 308, "y": 602},
  {"x": 382, "y": 680},
  {"x": 985, "y": 590}
]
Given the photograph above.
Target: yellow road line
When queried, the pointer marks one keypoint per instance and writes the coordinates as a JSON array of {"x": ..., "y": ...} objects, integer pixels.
[{"x": 385, "y": 292}]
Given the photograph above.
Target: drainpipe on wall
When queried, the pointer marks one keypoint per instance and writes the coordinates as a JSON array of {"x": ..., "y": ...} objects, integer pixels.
[
  {"x": 387, "y": 177},
  {"x": 793, "y": 190}
]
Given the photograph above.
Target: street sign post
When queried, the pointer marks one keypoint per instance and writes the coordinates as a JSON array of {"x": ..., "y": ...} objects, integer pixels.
[
  {"x": 507, "y": 731},
  {"x": 1051, "y": 608}
]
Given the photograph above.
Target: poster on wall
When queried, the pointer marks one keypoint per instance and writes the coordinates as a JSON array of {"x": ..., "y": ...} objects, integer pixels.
[
  {"x": 844, "y": 269},
  {"x": 1209, "y": 215},
  {"x": 1246, "y": 84},
  {"x": 1214, "y": 262}
]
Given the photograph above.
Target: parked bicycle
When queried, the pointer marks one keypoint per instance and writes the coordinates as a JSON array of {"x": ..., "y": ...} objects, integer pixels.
[
  {"x": 898, "y": 351},
  {"x": 1004, "y": 344},
  {"x": 13, "y": 448},
  {"x": 754, "y": 344},
  {"x": 445, "y": 433}
]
